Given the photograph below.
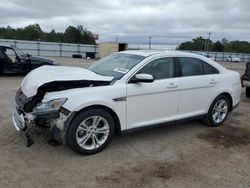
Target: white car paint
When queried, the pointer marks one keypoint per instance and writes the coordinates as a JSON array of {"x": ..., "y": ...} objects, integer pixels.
[
  {"x": 146, "y": 103},
  {"x": 45, "y": 74}
]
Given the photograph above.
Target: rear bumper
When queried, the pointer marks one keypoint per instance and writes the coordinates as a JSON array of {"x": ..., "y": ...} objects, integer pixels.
[{"x": 246, "y": 83}]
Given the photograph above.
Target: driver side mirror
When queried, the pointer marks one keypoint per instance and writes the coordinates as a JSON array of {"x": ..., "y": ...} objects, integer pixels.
[{"x": 143, "y": 78}]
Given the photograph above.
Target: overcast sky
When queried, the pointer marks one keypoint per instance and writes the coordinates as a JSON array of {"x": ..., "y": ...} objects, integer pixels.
[{"x": 170, "y": 21}]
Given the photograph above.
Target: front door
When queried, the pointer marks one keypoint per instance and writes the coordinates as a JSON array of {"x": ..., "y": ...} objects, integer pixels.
[
  {"x": 11, "y": 60},
  {"x": 156, "y": 102}
]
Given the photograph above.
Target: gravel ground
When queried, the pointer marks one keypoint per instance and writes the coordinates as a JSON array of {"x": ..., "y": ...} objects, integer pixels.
[{"x": 183, "y": 155}]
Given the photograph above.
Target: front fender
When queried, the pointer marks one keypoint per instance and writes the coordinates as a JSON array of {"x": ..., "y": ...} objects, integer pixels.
[{"x": 81, "y": 98}]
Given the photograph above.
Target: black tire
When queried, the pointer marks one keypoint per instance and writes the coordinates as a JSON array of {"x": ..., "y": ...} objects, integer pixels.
[
  {"x": 1, "y": 68},
  {"x": 248, "y": 92},
  {"x": 71, "y": 138},
  {"x": 208, "y": 119}
]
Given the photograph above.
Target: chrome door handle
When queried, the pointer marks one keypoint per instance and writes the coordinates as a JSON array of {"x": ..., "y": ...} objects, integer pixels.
[{"x": 172, "y": 85}]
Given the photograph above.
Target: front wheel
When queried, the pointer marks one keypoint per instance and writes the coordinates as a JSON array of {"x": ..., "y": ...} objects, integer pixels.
[
  {"x": 90, "y": 131},
  {"x": 218, "y": 111}
]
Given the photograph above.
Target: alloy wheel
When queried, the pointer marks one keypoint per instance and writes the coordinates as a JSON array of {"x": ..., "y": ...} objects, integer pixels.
[
  {"x": 92, "y": 132},
  {"x": 220, "y": 111}
]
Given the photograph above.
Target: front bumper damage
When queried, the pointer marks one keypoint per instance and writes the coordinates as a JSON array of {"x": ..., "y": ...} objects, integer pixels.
[
  {"x": 26, "y": 114},
  {"x": 18, "y": 119},
  {"x": 56, "y": 121}
]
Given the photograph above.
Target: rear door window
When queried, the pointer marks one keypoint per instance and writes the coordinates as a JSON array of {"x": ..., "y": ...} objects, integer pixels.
[
  {"x": 195, "y": 67},
  {"x": 191, "y": 66}
]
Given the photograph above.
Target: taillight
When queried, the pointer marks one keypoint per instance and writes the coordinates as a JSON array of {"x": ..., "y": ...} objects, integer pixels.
[{"x": 241, "y": 80}]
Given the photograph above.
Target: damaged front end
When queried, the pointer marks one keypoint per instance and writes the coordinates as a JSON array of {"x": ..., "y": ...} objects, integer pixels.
[
  {"x": 50, "y": 115},
  {"x": 30, "y": 113}
]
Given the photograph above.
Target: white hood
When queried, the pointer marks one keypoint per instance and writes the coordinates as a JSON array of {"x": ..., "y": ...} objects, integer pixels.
[{"x": 45, "y": 74}]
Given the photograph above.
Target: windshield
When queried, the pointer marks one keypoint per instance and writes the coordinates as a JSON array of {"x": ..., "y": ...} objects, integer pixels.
[
  {"x": 19, "y": 52},
  {"x": 116, "y": 65}
]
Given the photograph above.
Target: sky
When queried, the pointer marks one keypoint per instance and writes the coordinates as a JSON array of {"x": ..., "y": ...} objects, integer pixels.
[{"x": 133, "y": 21}]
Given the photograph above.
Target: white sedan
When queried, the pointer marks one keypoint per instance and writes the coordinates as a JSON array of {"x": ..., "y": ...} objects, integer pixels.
[
  {"x": 233, "y": 59},
  {"x": 124, "y": 92}
]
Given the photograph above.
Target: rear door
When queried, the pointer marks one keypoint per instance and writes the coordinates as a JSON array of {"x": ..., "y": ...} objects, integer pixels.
[{"x": 199, "y": 82}]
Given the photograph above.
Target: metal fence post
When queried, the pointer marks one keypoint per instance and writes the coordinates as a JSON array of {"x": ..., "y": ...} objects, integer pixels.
[
  {"x": 78, "y": 48},
  {"x": 95, "y": 50},
  {"x": 60, "y": 49},
  {"x": 38, "y": 48}
]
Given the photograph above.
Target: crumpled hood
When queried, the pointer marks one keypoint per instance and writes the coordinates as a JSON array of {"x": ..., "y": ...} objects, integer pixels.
[{"x": 46, "y": 74}]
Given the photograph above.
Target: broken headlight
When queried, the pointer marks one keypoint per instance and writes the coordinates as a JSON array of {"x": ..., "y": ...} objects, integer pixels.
[{"x": 49, "y": 107}]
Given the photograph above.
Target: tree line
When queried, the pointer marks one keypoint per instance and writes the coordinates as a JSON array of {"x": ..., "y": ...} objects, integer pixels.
[
  {"x": 34, "y": 32},
  {"x": 199, "y": 43}
]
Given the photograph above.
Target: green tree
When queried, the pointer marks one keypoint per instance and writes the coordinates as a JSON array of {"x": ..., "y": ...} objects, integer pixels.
[
  {"x": 34, "y": 32},
  {"x": 186, "y": 46},
  {"x": 218, "y": 47},
  {"x": 198, "y": 44},
  {"x": 224, "y": 41},
  {"x": 72, "y": 35}
]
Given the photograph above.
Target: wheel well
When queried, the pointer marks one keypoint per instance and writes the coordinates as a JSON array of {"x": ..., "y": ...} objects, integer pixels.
[
  {"x": 111, "y": 112},
  {"x": 229, "y": 98}
]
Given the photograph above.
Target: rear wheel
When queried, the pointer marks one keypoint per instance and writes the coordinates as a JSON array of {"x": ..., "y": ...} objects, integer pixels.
[
  {"x": 248, "y": 92},
  {"x": 218, "y": 111},
  {"x": 90, "y": 131}
]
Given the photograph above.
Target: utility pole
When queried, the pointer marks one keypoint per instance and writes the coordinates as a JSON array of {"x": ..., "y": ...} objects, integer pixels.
[
  {"x": 116, "y": 39},
  {"x": 149, "y": 42},
  {"x": 209, "y": 34},
  {"x": 205, "y": 47},
  {"x": 207, "y": 42}
]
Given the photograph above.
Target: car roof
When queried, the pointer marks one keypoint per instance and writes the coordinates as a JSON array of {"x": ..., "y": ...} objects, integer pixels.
[
  {"x": 174, "y": 53},
  {"x": 147, "y": 53},
  {"x": 144, "y": 53}
]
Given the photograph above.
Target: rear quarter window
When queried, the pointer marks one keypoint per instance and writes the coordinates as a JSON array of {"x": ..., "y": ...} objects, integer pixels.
[{"x": 208, "y": 69}]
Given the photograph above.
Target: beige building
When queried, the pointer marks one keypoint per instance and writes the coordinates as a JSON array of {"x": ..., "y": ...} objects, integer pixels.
[{"x": 106, "y": 48}]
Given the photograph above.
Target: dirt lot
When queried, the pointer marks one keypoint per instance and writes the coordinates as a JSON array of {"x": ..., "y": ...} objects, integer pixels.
[{"x": 182, "y": 155}]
